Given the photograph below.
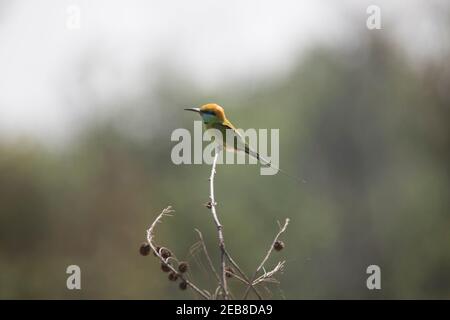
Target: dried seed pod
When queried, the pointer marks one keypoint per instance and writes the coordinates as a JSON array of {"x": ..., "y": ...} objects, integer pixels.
[
  {"x": 229, "y": 272},
  {"x": 278, "y": 245},
  {"x": 173, "y": 276},
  {"x": 144, "y": 249},
  {"x": 165, "y": 253},
  {"x": 165, "y": 267},
  {"x": 183, "y": 285},
  {"x": 157, "y": 250},
  {"x": 183, "y": 266}
]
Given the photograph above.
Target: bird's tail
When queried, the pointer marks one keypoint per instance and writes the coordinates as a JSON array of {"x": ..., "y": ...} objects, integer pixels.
[{"x": 267, "y": 163}]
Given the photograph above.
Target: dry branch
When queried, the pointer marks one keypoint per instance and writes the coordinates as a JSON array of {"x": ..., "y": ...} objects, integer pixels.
[
  {"x": 205, "y": 251},
  {"x": 222, "y": 289},
  {"x": 212, "y": 206},
  {"x": 150, "y": 235},
  {"x": 261, "y": 265}
]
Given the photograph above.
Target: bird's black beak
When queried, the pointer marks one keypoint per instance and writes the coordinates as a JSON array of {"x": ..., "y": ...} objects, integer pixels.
[{"x": 193, "y": 109}]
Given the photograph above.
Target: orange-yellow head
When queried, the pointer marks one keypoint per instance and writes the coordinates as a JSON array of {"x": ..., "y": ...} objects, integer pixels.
[{"x": 211, "y": 113}]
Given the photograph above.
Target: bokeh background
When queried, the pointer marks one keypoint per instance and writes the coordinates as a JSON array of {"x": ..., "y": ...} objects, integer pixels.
[{"x": 86, "y": 116}]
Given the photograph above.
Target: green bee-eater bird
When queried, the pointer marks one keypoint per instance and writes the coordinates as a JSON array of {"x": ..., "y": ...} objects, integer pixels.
[{"x": 213, "y": 117}]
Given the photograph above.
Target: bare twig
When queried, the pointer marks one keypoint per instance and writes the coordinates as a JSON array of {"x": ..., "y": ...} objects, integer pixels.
[
  {"x": 283, "y": 229},
  {"x": 218, "y": 225},
  {"x": 234, "y": 275},
  {"x": 216, "y": 293},
  {"x": 205, "y": 250},
  {"x": 246, "y": 278},
  {"x": 150, "y": 235},
  {"x": 268, "y": 276},
  {"x": 261, "y": 265}
]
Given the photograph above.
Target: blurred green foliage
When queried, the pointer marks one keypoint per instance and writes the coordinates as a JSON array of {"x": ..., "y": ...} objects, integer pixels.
[{"x": 365, "y": 127}]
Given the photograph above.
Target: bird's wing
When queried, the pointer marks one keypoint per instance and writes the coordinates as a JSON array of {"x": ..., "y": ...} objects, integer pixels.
[
  {"x": 229, "y": 125},
  {"x": 239, "y": 143}
]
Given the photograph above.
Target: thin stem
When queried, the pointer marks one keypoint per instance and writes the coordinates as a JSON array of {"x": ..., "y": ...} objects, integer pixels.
[
  {"x": 218, "y": 225},
  {"x": 205, "y": 250}
]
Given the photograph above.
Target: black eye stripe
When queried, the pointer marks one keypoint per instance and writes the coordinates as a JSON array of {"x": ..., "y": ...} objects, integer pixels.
[{"x": 209, "y": 112}]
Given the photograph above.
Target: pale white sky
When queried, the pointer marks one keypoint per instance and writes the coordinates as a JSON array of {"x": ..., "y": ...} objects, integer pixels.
[{"x": 213, "y": 42}]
